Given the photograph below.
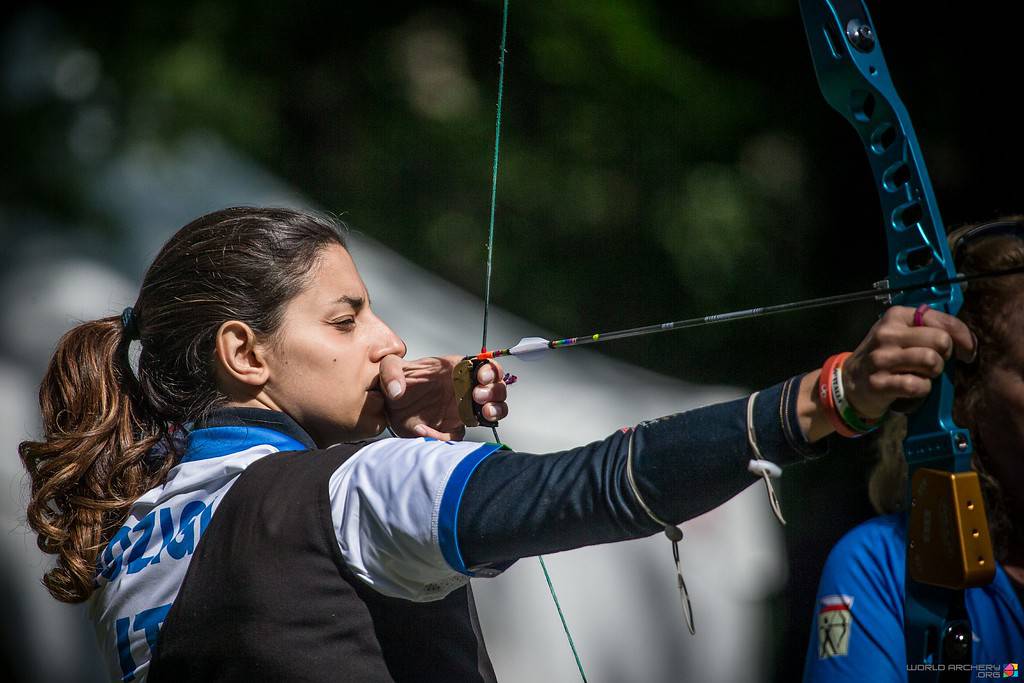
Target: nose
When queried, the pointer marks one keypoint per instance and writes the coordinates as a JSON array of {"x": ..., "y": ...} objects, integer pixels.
[{"x": 386, "y": 343}]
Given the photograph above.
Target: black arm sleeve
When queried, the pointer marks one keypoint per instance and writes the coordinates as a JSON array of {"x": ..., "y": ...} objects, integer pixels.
[{"x": 520, "y": 504}]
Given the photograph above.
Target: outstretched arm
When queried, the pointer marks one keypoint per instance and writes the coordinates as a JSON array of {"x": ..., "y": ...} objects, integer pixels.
[
  {"x": 680, "y": 466},
  {"x": 519, "y": 504}
]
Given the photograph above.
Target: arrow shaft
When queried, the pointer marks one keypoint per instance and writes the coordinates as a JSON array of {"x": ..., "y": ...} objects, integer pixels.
[{"x": 880, "y": 293}]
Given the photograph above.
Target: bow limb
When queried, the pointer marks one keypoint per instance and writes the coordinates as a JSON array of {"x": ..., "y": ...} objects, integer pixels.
[{"x": 944, "y": 492}]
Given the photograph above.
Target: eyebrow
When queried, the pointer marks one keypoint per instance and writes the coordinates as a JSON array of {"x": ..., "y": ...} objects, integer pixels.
[{"x": 355, "y": 302}]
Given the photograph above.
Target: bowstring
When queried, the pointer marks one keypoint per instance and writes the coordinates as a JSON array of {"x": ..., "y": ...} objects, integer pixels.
[
  {"x": 494, "y": 176},
  {"x": 487, "y": 300}
]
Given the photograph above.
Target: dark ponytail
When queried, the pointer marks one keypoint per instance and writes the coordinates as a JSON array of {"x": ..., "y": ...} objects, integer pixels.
[{"x": 107, "y": 434}]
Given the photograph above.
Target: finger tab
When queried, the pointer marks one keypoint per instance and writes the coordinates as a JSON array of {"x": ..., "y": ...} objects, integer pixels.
[{"x": 465, "y": 377}]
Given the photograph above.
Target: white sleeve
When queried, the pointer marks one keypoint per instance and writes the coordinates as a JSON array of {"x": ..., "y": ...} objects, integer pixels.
[{"x": 394, "y": 505}]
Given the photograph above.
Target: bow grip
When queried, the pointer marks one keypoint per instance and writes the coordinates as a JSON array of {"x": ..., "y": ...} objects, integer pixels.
[{"x": 465, "y": 379}]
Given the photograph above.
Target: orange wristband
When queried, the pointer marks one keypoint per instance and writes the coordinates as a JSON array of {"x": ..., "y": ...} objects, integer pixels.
[{"x": 825, "y": 395}]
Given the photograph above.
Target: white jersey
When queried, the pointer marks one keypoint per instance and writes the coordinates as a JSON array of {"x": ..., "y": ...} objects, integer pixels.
[{"x": 386, "y": 505}]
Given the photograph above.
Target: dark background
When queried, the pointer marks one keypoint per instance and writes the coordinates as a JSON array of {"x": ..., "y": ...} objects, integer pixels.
[{"x": 659, "y": 160}]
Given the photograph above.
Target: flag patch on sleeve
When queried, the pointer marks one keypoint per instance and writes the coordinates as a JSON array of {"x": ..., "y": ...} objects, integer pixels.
[{"x": 834, "y": 624}]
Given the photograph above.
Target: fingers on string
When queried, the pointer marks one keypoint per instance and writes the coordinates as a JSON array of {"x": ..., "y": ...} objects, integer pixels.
[
  {"x": 491, "y": 393},
  {"x": 495, "y": 411},
  {"x": 489, "y": 372}
]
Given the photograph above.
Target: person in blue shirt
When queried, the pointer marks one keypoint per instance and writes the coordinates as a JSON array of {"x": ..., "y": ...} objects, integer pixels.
[
  {"x": 226, "y": 510},
  {"x": 857, "y": 630}
]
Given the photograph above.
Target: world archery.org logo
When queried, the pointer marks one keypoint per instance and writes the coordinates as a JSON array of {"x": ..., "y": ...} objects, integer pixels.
[
  {"x": 834, "y": 624},
  {"x": 1011, "y": 671}
]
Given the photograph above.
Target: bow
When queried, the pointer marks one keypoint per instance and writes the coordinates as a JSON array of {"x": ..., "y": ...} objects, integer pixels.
[{"x": 948, "y": 546}]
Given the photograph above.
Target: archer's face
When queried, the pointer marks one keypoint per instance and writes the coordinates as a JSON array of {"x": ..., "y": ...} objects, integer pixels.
[
  {"x": 1000, "y": 422},
  {"x": 324, "y": 365}
]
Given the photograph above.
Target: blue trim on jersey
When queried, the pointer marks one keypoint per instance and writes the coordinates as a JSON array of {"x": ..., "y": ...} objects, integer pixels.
[
  {"x": 448, "y": 513},
  {"x": 216, "y": 442}
]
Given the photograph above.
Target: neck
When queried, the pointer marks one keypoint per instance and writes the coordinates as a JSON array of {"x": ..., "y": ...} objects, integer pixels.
[
  {"x": 254, "y": 402},
  {"x": 258, "y": 416}
]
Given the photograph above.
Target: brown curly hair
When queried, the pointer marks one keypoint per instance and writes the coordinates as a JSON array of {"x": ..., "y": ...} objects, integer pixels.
[
  {"x": 109, "y": 435},
  {"x": 985, "y": 311}
]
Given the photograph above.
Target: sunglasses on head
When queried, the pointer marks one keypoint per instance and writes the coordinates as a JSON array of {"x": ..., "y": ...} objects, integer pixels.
[{"x": 1014, "y": 227}]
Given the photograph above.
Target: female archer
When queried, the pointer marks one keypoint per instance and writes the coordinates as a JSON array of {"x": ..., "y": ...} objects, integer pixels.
[
  {"x": 221, "y": 508},
  {"x": 858, "y": 630}
]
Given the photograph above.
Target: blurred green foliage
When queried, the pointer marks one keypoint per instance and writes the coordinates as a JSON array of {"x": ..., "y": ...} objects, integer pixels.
[
  {"x": 636, "y": 183},
  {"x": 659, "y": 160}
]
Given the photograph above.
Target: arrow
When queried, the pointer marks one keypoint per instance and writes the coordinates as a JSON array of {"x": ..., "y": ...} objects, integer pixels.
[{"x": 529, "y": 347}]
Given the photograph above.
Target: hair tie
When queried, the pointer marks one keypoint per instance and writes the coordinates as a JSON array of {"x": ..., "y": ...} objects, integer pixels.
[{"x": 130, "y": 324}]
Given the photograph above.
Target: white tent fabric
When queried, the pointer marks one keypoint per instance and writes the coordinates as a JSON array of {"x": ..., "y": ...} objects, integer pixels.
[{"x": 620, "y": 600}]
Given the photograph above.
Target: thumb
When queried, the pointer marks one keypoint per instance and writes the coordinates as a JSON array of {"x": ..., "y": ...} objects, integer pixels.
[
  {"x": 424, "y": 430},
  {"x": 392, "y": 376}
]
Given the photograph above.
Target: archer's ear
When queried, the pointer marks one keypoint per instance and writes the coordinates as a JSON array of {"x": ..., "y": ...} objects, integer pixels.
[{"x": 239, "y": 357}]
